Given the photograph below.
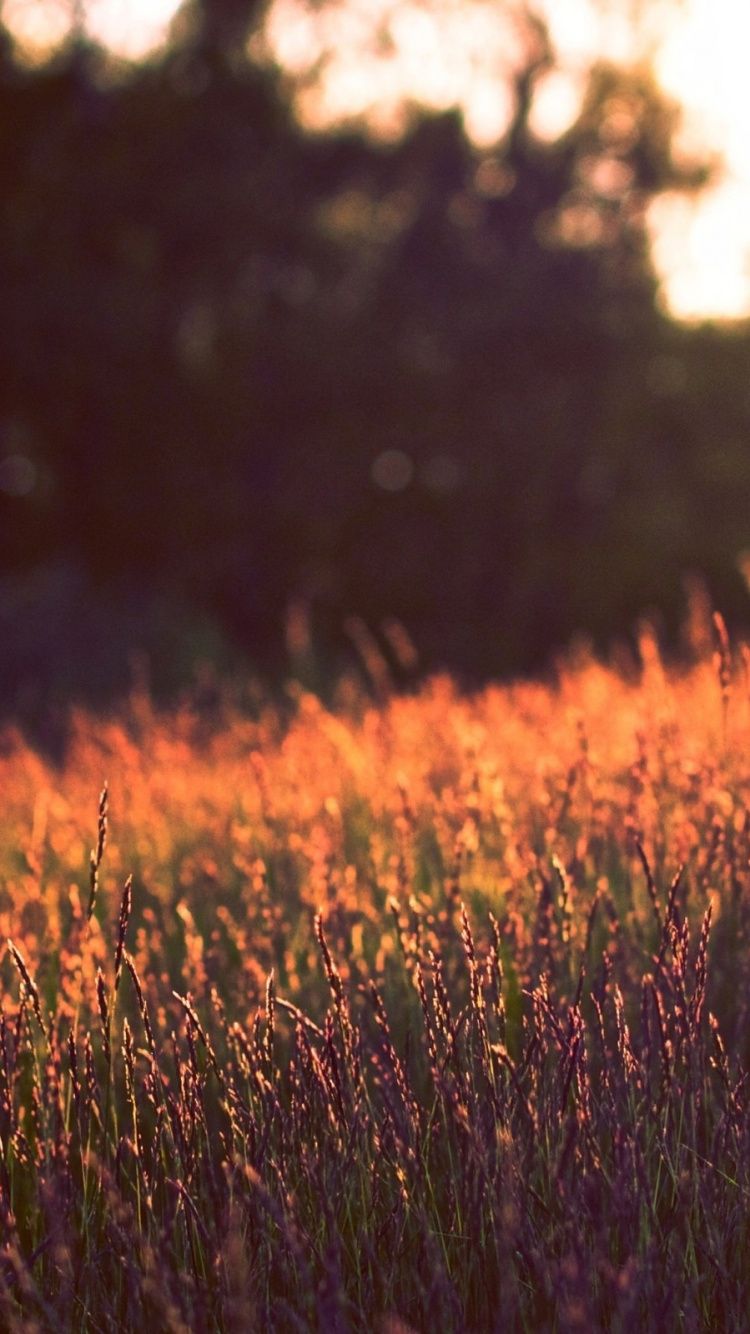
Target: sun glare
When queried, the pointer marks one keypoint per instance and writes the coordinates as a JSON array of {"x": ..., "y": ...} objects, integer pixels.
[
  {"x": 705, "y": 253},
  {"x": 131, "y": 29},
  {"x": 378, "y": 57},
  {"x": 451, "y": 54}
]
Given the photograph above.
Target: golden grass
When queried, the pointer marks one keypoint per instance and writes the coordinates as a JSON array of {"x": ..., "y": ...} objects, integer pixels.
[{"x": 475, "y": 967}]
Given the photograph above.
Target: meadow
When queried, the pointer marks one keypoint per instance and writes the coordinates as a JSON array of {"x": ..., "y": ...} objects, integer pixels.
[{"x": 429, "y": 1014}]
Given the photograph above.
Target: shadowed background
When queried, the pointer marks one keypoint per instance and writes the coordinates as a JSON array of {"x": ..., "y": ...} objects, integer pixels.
[{"x": 274, "y": 396}]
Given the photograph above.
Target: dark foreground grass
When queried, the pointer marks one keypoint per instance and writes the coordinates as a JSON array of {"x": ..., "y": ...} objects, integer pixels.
[{"x": 498, "y": 1082}]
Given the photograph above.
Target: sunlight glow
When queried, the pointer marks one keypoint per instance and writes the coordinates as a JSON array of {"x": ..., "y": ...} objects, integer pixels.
[
  {"x": 131, "y": 29},
  {"x": 373, "y": 60},
  {"x": 39, "y": 26},
  {"x": 375, "y": 53},
  {"x": 705, "y": 254},
  {"x": 556, "y": 103},
  {"x": 378, "y": 57}
]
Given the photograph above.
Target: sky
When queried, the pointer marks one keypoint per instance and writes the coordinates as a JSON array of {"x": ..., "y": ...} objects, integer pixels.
[{"x": 448, "y": 52}]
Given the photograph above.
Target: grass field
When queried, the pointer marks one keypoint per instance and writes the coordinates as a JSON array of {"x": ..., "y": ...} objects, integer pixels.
[{"x": 426, "y": 1016}]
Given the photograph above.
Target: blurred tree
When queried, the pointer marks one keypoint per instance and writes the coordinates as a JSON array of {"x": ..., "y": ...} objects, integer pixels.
[
  {"x": 495, "y": 303},
  {"x": 226, "y": 24},
  {"x": 260, "y": 367}
]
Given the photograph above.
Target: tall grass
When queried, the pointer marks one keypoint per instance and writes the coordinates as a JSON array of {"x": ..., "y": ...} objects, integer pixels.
[{"x": 425, "y": 1016}]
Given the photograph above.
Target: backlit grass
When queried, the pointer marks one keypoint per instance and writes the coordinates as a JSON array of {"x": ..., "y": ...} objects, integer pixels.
[{"x": 427, "y": 1016}]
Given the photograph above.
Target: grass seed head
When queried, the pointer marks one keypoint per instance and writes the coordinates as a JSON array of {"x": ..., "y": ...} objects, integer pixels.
[{"x": 29, "y": 984}]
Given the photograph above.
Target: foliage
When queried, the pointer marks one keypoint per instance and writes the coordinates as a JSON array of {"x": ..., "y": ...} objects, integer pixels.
[
  {"x": 385, "y": 1017},
  {"x": 216, "y": 324}
]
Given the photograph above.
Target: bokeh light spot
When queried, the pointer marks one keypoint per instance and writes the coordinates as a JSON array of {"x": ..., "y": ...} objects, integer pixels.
[
  {"x": 18, "y": 475},
  {"x": 392, "y": 470}
]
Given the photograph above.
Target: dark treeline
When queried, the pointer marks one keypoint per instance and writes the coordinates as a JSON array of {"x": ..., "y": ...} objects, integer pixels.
[{"x": 267, "y": 381}]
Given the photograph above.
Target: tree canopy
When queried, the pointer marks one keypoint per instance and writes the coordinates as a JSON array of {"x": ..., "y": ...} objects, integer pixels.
[{"x": 265, "y": 372}]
